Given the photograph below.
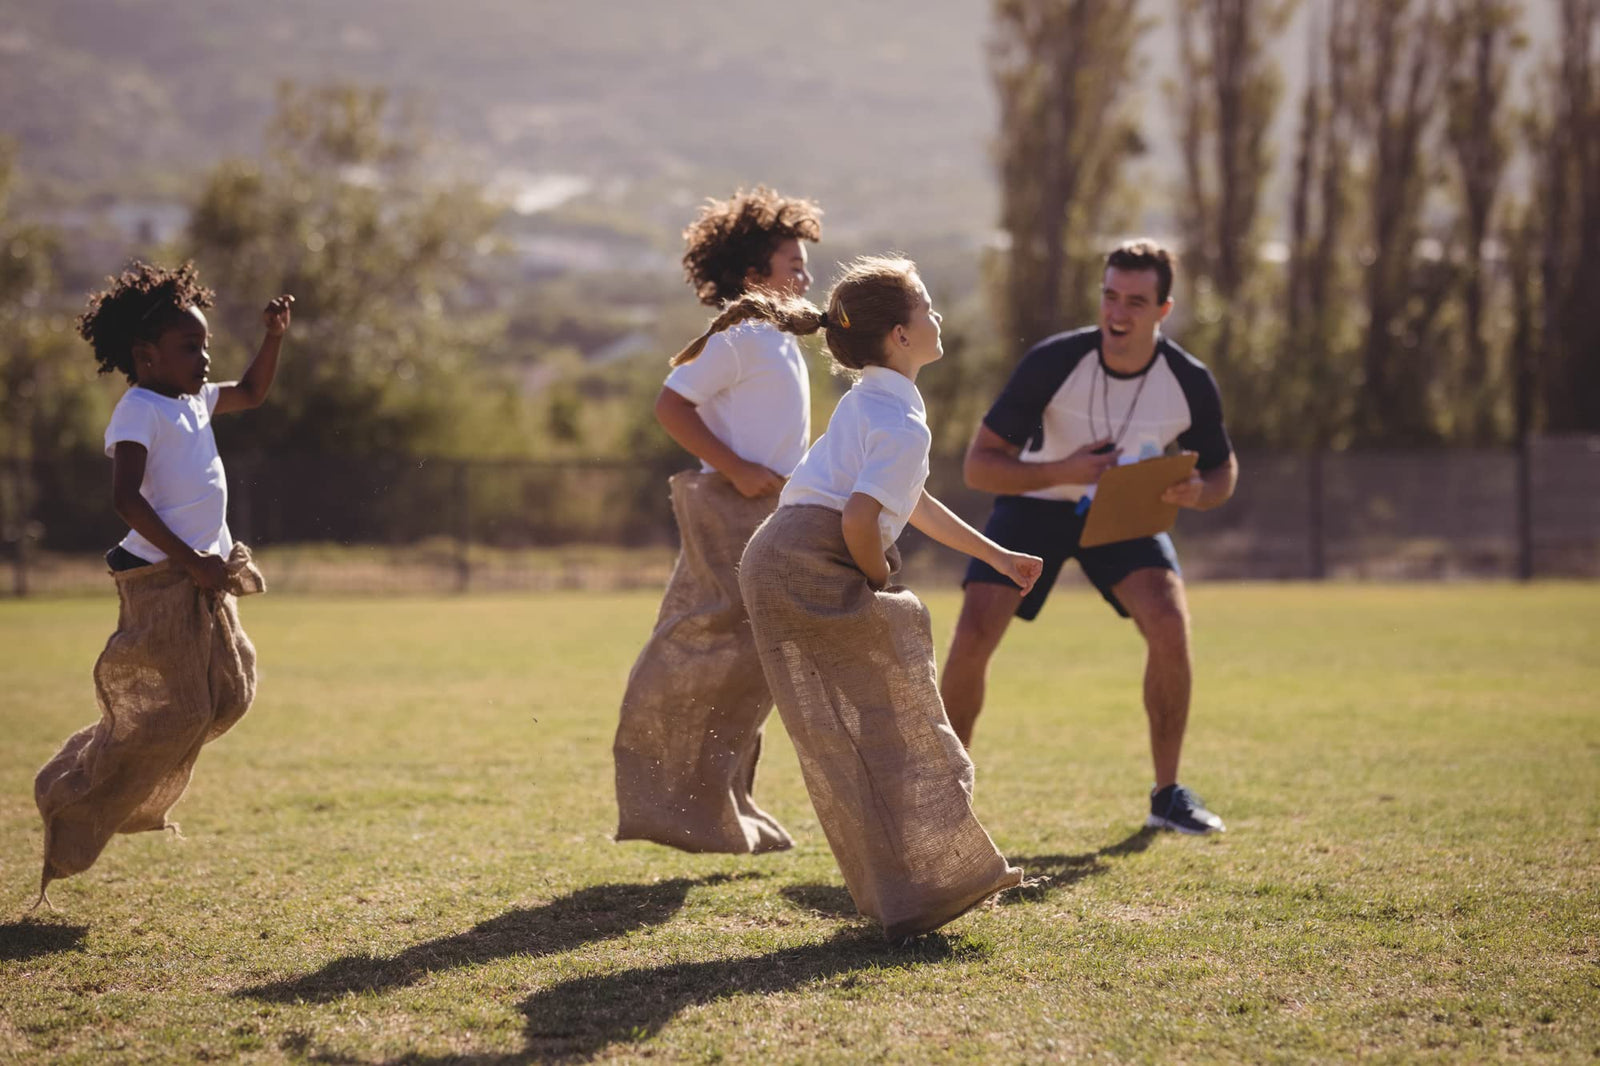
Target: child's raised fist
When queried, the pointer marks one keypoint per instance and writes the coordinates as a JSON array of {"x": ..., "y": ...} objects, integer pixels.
[{"x": 276, "y": 317}]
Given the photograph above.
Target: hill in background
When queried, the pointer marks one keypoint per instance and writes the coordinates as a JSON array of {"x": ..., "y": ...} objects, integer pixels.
[{"x": 882, "y": 110}]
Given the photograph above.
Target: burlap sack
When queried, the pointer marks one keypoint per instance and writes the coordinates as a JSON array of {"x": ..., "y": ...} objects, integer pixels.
[
  {"x": 852, "y": 671},
  {"x": 690, "y": 732},
  {"x": 178, "y": 673}
]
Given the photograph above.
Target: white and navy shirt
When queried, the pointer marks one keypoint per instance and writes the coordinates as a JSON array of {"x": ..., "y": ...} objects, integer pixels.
[
  {"x": 751, "y": 388},
  {"x": 183, "y": 476},
  {"x": 877, "y": 444},
  {"x": 1063, "y": 396}
]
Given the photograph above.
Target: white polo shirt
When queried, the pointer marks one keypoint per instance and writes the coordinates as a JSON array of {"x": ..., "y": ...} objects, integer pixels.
[
  {"x": 877, "y": 444},
  {"x": 183, "y": 476},
  {"x": 751, "y": 388}
]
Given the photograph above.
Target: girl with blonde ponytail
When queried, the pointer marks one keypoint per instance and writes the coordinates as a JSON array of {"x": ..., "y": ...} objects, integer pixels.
[
  {"x": 848, "y": 656},
  {"x": 739, "y": 400}
]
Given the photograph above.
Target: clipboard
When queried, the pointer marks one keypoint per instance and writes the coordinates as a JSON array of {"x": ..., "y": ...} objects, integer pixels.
[{"x": 1127, "y": 500}]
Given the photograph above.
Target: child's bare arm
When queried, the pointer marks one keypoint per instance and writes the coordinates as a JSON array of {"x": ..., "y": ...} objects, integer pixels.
[
  {"x": 861, "y": 536},
  {"x": 945, "y": 526},
  {"x": 127, "y": 474},
  {"x": 251, "y": 389},
  {"x": 683, "y": 424}
]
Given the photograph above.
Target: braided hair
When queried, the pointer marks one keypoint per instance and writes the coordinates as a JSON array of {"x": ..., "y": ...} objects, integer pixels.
[{"x": 874, "y": 295}]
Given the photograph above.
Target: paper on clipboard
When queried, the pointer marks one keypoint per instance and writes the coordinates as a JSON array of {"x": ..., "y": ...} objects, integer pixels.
[{"x": 1127, "y": 500}]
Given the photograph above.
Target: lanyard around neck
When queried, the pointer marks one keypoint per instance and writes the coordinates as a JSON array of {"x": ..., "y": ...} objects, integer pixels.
[{"x": 1105, "y": 402}]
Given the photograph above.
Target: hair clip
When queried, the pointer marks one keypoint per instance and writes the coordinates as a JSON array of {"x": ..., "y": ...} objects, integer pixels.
[{"x": 844, "y": 318}]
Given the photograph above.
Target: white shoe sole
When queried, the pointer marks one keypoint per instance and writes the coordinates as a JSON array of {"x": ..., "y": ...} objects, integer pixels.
[{"x": 1155, "y": 821}]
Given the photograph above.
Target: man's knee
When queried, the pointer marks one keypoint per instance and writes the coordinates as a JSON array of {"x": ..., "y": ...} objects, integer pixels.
[{"x": 1156, "y": 601}]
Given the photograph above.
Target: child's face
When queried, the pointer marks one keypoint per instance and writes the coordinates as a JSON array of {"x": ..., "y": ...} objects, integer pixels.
[
  {"x": 175, "y": 364},
  {"x": 924, "y": 343},
  {"x": 786, "y": 271}
]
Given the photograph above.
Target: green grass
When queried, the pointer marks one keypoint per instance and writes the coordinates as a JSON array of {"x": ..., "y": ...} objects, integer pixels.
[{"x": 402, "y": 853}]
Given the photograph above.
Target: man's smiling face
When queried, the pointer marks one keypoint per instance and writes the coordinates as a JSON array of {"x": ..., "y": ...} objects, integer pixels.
[{"x": 1130, "y": 312}]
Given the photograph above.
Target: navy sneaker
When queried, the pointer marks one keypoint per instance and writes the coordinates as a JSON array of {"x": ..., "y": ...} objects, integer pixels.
[{"x": 1175, "y": 807}]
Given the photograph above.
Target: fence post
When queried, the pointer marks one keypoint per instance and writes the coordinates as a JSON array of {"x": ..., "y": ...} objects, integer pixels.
[
  {"x": 1525, "y": 507},
  {"x": 1315, "y": 539},
  {"x": 23, "y": 525},
  {"x": 463, "y": 526}
]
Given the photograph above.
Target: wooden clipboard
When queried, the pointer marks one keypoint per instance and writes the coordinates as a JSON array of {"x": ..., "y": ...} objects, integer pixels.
[{"x": 1127, "y": 500}]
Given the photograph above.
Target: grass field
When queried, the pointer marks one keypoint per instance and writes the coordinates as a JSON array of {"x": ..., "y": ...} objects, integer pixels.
[{"x": 403, "y": 853}]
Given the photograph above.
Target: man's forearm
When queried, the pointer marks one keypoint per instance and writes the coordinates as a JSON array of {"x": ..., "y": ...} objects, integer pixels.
[
  {"x": 1217, "y": 485},
  {"x": 1004, "y": 475}
]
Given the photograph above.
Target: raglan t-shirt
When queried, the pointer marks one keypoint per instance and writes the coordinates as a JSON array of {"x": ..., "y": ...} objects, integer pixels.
[
  {"x": 751, "y": 389},
  {"x": 877, "y": 444},
  {"x": 1062, "y": 396},
  {"x": 183, "y": 476}
]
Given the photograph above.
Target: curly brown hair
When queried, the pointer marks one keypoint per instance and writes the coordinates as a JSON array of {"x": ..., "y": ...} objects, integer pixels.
[
  {"x": 875, "y": 294},
  {"x": 143, "y": 302},
  {"x": 731, "y": 237}
]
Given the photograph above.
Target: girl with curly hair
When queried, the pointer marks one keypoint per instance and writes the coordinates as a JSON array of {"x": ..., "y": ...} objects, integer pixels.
[
  {"x": 689, "y": 734},
  {"x": 179, "y": 670},
  {"x": 849, "y": 656}
]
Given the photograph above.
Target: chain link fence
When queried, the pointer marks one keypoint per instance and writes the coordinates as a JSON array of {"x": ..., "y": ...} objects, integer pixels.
[{"x": 349, "y": 524}]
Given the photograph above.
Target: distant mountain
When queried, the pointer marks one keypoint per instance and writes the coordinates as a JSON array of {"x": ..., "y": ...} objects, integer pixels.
[{"x": 882, "y": 108}]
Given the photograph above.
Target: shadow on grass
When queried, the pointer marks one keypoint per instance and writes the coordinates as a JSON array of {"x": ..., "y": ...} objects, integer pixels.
[
  {"x": 590, "y": 914},
  {"x": 830, "y": 901},
  {"x": 582, "y": 1018},
  {"x": 29, "y": 939},
  {"x": 1047, "y": 873}
]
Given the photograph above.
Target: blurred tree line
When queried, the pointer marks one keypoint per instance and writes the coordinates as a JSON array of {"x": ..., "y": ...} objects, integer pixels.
[
  {"x": 1393, "y": 291},
  {"x": 1414, "y": 300}
]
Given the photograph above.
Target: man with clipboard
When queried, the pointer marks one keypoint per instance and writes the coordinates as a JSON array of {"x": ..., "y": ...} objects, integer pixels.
[{"x": 1076, "y": 404}]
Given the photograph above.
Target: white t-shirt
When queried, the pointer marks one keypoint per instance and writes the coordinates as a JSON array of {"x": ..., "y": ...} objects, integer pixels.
[
  {"x": 183, "y": 476},
  {"x": 876, "y": 444},
  {"x": 1063, "y": 396},
  {"x": 751, "y": 388}
]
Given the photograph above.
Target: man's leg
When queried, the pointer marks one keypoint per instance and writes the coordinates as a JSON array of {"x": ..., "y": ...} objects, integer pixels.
[
  {"x": 986, "y": 610},
  {"x": 1154, "y": 598}
]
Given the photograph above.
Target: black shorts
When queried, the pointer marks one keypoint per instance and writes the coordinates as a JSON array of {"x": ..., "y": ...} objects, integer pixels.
[
  {"x": 1050, "y": 529},
  {"x": 120, "y": 559}
]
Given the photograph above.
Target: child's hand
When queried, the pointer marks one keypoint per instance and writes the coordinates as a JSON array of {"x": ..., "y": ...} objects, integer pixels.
[
  {"x": 207, "y": 570},
  {"x": 1023, "y": 569},
  {"x": 753, "y": 480},
  {"x": 276, "y": 317}
]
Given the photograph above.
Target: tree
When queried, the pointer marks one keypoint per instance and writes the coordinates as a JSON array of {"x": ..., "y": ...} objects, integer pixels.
[
  {"x": 1062, "y": 70},
  {"x": 1482, "y": 36},
  {"x": 1402, "y": 43},
  {"x": 49, "y": 406},
  {"x": 1318, "y": 326},
  {"x": 1226, "y": 98},
  {"x": 379, "y": 255},
  {"x": 1568, "y": 148}
]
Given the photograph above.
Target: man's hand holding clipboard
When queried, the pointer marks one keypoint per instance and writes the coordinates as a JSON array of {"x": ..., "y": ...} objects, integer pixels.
[{"x": 1140, "y": 499}]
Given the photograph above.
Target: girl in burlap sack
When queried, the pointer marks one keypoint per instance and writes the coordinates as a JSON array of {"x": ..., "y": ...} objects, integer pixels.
[
  {"x": 179, "y": 671},
  {"x": 690, "y": 729},
  {"x": 848, "y": 656}
]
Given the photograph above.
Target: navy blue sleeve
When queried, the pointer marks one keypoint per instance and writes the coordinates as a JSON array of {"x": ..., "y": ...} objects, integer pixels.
[
  {"x": 1018, "y": 414},
  {"x": 1206, "y": 435}
]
